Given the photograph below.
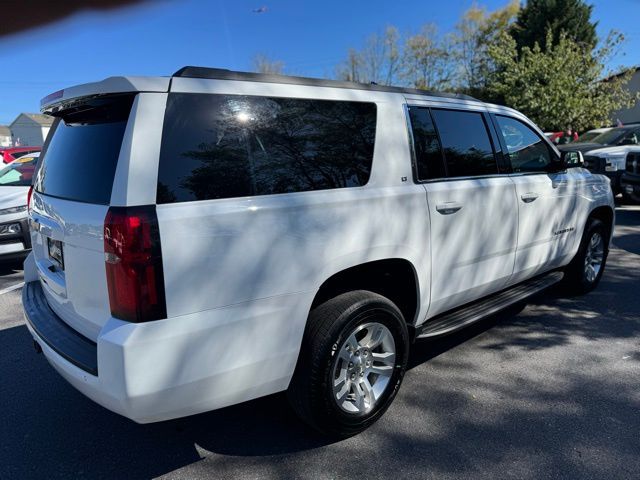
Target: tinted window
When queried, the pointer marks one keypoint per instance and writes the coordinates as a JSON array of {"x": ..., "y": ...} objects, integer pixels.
[
  {"x": 429, "y": 160},
  {"x": 222, "y": 146},
  {"x": 466, "y": 144},
  {"x": 80, "y": 158},
  {"x": 631, "y": 138},
  {"x": 527, "y": 151},
  {"x": 612, "y": 137}
]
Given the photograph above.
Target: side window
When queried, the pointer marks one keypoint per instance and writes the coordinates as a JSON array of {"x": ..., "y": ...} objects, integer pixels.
[
  {"x": 465, "y": 142},
  {"x": 527, "y": 151},
  {"x": 223, "y": 146},
  {"x": 631, "y": 138},
  {"x": 429, "y": 161}
]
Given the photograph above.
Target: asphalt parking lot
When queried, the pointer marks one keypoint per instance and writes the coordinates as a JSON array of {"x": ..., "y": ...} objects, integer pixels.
[{"x": 550, "y": 390}]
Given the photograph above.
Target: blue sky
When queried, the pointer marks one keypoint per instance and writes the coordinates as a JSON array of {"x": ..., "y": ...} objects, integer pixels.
[{"x": 159, "y": 37}]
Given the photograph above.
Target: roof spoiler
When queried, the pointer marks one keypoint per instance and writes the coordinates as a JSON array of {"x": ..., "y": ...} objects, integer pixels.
[{"x": 56, "y": 100}]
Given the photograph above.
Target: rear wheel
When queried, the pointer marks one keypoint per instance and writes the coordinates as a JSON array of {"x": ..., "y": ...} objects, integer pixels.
[
  {"x": 352, "y": 361},
  {"x": 585, "y": 271}
]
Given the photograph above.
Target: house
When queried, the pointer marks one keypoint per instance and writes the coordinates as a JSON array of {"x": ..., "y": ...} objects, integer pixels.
[
  {"x": 30, "y": 129},
  {"x": 630, "y": 115},
  {"x": 5, "y": 136}
]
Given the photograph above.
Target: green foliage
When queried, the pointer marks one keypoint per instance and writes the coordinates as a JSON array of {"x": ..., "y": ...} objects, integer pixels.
[
  {"x": 476, "y": 30},
  {"x": 560, "y": 83},
  {"x": 425, "y": 60},
  {"x": 540, "y": 58},
  {"x": 571, "y": 17}
]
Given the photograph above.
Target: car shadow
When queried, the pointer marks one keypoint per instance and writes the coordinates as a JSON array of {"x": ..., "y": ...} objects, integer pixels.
[
  {"x": 49, "y": 430},
  {"x": 65, "y": 434}
]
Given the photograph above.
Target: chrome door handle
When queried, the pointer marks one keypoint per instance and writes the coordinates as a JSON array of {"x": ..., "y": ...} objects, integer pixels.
[
  {"x": 528, "y": 197},
  {"x": 447, "y": 208}
]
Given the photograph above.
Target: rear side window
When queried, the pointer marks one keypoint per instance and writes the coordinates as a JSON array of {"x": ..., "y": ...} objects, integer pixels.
[
  {"x": 465, "y": 142},
  {"x": 223, "y": 146},
  {"x": 429, "y": 160},
  {"x": 527, "y": 151},
  {"x": 81, "y": 154}
]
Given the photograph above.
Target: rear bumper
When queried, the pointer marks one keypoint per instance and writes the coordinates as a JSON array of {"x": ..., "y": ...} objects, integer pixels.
[
  {"x": 176, "y": 367},
  {"x": 60, "y": 337}
]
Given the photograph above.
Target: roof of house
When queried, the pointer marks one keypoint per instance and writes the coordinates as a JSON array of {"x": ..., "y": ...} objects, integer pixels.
[
  {"x": 5, "y": 131},
  {"x": 39, "y": 118},
  {"x": 623, "y": 72}
]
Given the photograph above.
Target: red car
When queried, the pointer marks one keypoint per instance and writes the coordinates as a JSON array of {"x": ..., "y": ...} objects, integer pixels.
[{"x": 9, "y": 154}]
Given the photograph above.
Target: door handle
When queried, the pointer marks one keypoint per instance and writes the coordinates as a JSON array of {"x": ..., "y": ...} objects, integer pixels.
[
  {"x": 528, "y": 197},
  {"x": 447, "y": 208}
]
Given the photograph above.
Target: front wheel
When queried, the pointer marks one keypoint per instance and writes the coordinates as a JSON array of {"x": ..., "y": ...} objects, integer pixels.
[
  {"x": 353, "y": 358},
  {"x": 585, "y": 271}
]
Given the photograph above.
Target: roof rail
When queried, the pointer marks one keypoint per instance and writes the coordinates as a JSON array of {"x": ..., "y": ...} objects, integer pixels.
[{"x": 224, "y": 74}]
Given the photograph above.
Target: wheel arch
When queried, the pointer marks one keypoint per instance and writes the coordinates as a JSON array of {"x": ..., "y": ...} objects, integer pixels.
[
  {"x": 606, "y": 215},
  {"x": 394, "y": 278}
]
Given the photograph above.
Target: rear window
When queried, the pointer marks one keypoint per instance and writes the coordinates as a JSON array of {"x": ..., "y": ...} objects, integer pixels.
[
  {"x": 81, "y": 154},
  {"x": 223, "y": 146}
]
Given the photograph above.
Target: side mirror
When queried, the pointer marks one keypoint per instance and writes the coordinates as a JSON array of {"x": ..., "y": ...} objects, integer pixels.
[{"x": 572, "y": 159}]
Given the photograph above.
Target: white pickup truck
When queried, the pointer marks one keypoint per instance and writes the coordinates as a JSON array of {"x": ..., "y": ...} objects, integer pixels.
[{"x": 212, "y": 237}]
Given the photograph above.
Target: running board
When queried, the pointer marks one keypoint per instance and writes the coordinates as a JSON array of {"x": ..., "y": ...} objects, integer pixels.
[{"x": 461, "y": 317}]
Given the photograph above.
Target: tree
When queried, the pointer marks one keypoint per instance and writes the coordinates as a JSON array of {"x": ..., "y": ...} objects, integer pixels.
[
  {"x": 571, "y": 17},
  {"x": 351, "y": 69},
  {"x": 425, "y": 60},
  {"x": 559, "y": 83},
  {"x": 263, "y": 64},
  {"x": 377, "y": 62},
  {"x": 473, "y": 34}
]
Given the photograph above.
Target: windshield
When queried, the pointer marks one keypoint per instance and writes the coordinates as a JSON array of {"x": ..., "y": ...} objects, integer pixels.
[
  {"x": 612, "y": 137},
  {"x": 18, "y": 173},
  {"x": 588, "y": 136}
]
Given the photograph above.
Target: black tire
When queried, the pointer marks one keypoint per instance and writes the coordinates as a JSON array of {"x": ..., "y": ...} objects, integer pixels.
[
  {"x": 575, "y": 278},
  {"x": 311, "y": 392}
]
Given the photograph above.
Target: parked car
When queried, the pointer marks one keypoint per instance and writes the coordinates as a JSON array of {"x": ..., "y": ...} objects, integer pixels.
[
  {"x": 606, "y": 153},
  {"x": 554, "y": 136},
  {"x": 236, "y": 235},
  {"x": 589, "y": 135},
  {"x": 630, "y": 180},
  {"x": 9, "y": 154},
  {"x": 15, "y": 181}
]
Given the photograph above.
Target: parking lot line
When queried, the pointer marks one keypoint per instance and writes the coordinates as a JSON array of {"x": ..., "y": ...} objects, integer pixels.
[{"x": 11, "y": 288}]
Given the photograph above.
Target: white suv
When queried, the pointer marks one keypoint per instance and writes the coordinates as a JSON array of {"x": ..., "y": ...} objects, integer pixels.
[{"x": 217, "y": 236}]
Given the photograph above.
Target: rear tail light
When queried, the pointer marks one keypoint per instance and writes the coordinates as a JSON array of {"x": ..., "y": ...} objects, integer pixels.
[
  {"x": 29, "y": 195},
  {"x": 133, "y": 260}
]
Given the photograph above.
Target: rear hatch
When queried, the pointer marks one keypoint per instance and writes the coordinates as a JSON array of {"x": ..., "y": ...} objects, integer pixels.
[{"x": 71, "y": 197}]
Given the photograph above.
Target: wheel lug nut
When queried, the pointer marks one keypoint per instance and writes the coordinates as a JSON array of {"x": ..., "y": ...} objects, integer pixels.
[
  {"x": 362, "y": 374},
  {"x": 357, "y": 352},
  {"x": 350, "y": 364},
  {"x": 353, "y": 376}
]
